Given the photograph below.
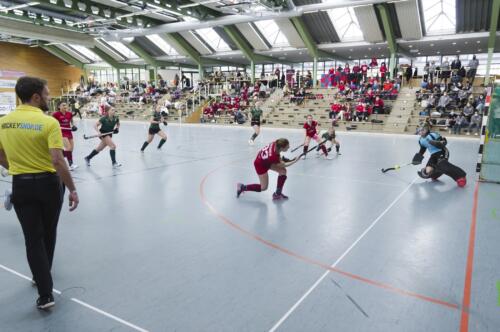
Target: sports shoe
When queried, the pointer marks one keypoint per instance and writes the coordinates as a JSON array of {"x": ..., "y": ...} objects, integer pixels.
[
  {"x": 277, "y": 196},
  {"x": 72, "y": 167},
  {"x": 7, "y": 204},
  {"x": 45, "y": 302},
  {"x": 87, "y": 161},
  {"x": 239, "y": 189},
  {"x": 251, "y": 142},
  {"x": 303, "y": 157},
  {"x": 462, "y": 182},
  {"x": 328, "y": 157},
  {"x": 117, "y": 165}
]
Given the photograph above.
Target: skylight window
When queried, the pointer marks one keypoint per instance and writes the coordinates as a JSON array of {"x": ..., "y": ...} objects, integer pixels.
[
  {"x": 162, "y": 44},
  {"x": 272, "y": 32},
  {"x": 439, "y": 16},
  {"x": 85, "y": 52},
  {"x": 123, "y": 50},
  {"x": 346, "y": 24},
  {"x": 213, "y": 39}
]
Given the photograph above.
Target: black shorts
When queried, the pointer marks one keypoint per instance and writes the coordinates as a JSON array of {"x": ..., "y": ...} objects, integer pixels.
[
  {"x": 436, "y": 157},
  {"x": 255, "y": 123},
  {"x": 153, "y": 131},
  {"x": 101, "y": 137}
]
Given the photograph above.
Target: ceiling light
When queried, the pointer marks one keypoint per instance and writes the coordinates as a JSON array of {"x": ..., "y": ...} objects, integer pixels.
[
  {"x": 466, "y": 42},
  {"x": 369, "y": 48},
  {"x": 410, "y": 46},
  {"x": 479, "y": 42},
  {"x": 454, "y": 43},
  {"x": 350, "y": 49},
  {"x": 479, "y": 50},
  {"x": 349, "y": 57},
  {"x": 458, "y": 51},
  {"x": 431, "y": 45},
  {"x": 300, "y": 53},
  {"x": 418, "y": 53},
  {"x": 379, "y": 48},
  {"x": 438, "y": 52}
]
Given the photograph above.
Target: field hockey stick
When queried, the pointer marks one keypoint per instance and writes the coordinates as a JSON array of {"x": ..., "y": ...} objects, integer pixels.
[
  {"x": 395, "y": 168},
  {"x": 312, "y": 149},
  {"x": 298, "y": 147},
  {"x": 94, "y": 136}
]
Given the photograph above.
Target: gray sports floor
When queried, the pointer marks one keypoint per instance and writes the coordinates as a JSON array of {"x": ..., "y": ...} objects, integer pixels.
[{"x": 162, "y": 244}]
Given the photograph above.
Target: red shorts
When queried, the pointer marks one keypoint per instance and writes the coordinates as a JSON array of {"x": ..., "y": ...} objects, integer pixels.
[
  {"x": 67, "y": 134},
  {"x": 259, "y": 168}
]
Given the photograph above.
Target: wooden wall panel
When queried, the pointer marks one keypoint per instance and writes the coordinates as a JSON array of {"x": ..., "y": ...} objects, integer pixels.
[{"x": 35, "y": 61}]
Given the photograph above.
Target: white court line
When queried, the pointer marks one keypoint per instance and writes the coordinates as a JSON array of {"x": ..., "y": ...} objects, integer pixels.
[
  {"x": 309, "y": 291},
  {"x": 86, "y": 305}
]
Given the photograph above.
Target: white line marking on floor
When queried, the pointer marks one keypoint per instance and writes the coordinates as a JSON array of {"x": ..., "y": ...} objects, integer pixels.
[
  {"x": 86, "y": 305},
  {"x": 309, "y": 291}
]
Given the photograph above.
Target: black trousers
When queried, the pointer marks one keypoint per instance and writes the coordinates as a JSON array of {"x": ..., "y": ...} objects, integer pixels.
[{"x": 37, "y": 200}]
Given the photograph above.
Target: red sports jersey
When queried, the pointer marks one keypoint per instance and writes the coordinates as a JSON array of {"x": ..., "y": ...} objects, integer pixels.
[
  {"x": 65, "y": 123},
  {"x": 267, "y": 156},
  {"x": 336, "y": 108},
  {"x": 364, "y": 68},
  {"x": 310, "y": 129}
]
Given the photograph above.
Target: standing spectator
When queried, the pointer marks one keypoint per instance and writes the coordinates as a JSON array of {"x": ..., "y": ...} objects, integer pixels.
[
  {"x": 364, "y": 71},
  {"x": 426, "y": 71},
  {"x": 445, "y": 70},
  {"x": 408, "y": 74},
  {"x": 475, "y": 122},
  {"x": 356, "y": 73},
  {"x": 432, "y": 71},
  {"x": 456, "y": 64},
  {"x": 473, "y": 64},
  {"x": 33, "y": 155},
  {"x": 383, "y": 71}
]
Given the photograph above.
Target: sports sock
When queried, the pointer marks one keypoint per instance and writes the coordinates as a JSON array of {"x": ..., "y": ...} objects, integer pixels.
[
  {"x": 162, "y": 141},
  {"x": 92, "y": 154},
  {"x": 323, "y": 148},
  {"x": 69, "y": 156},
  {"x": 337, "y": 147},
  {"x": 144, "y": 145},
  {"x": 112, "y": 153},
  {"x": 254, "y": 136},
  {"x": 306, "y": 147},
  {"x": 281, "y": 183},
  {"x": 251, "y": 187}
]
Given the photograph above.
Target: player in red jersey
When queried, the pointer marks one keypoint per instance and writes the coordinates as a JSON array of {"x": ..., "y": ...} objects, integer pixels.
[
  {"x": 269, "y": 158},
  {"x": 312, "y": 133},
  {"x": 65, "y": 119}
]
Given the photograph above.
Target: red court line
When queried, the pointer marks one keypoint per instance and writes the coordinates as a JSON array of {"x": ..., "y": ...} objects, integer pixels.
[
  {"x": 464, "y": 320},
  {"x": 308, "y": 260}
]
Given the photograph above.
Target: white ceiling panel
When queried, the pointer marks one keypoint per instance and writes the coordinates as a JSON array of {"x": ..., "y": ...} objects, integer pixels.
[
  {"x": 368, "y": 23},
  {"x": 290, "y": 32},
  {"x": 409, "y": 19},
  {"x": 252, "y": 37}
]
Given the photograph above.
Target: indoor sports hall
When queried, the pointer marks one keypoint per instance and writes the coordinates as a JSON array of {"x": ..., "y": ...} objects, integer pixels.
[{"x": 250, "y": 165}]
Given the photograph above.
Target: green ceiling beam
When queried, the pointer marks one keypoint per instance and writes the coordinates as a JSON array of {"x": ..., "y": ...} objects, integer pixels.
[
  {"x": 63, "y": 55},
  {"x": 150, "y": 60},
  {"x": 112, "y": 62},
  {"x": 206, "y": 61},
  {"x": 308, "y": 40},
  {"x": 245, "y": 47},
  {"x": 187, "y": 48},
  {"x": 389, "y": 31}
]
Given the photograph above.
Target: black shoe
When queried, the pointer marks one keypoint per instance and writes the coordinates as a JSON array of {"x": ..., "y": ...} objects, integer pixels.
[{"x": 45, "y": 302}]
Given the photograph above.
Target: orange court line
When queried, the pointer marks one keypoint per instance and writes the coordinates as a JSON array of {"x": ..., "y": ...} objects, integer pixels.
[
  {"x": 308, "y": 260},
  {"x": 464, "y": 320}
]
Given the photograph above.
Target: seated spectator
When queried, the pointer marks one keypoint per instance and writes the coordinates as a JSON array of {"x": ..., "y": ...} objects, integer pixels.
[
  {"x": 443, "y": 103},
  {"x": 461, "y": 122},
  {"x": 378, "y": 106},
  {"x": 362, "y": 112},
  {"x": 341, "y": 87},
  {"x": 424, "y": 85},
  {"x": 475, "y": 122},
  {"x": 468, "y": 111},
  {"x": 335, "y": 109},
  {"x": 480, "y": 104}
]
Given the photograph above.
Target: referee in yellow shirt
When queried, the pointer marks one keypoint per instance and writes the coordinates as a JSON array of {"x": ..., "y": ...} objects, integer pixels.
[{"x": 31, "y": 149}]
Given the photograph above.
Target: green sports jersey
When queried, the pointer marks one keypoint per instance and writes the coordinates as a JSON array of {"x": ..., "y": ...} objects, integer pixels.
[
  {"x": 326, "y": 136},
  {"x": 156, "y": 117},
  {"x": 256, "y": 113},
  {"x": 108, "y": 124}
]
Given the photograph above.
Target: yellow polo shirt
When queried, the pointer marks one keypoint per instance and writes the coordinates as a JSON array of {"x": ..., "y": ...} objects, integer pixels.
[{"x": 26, "y": 135}]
